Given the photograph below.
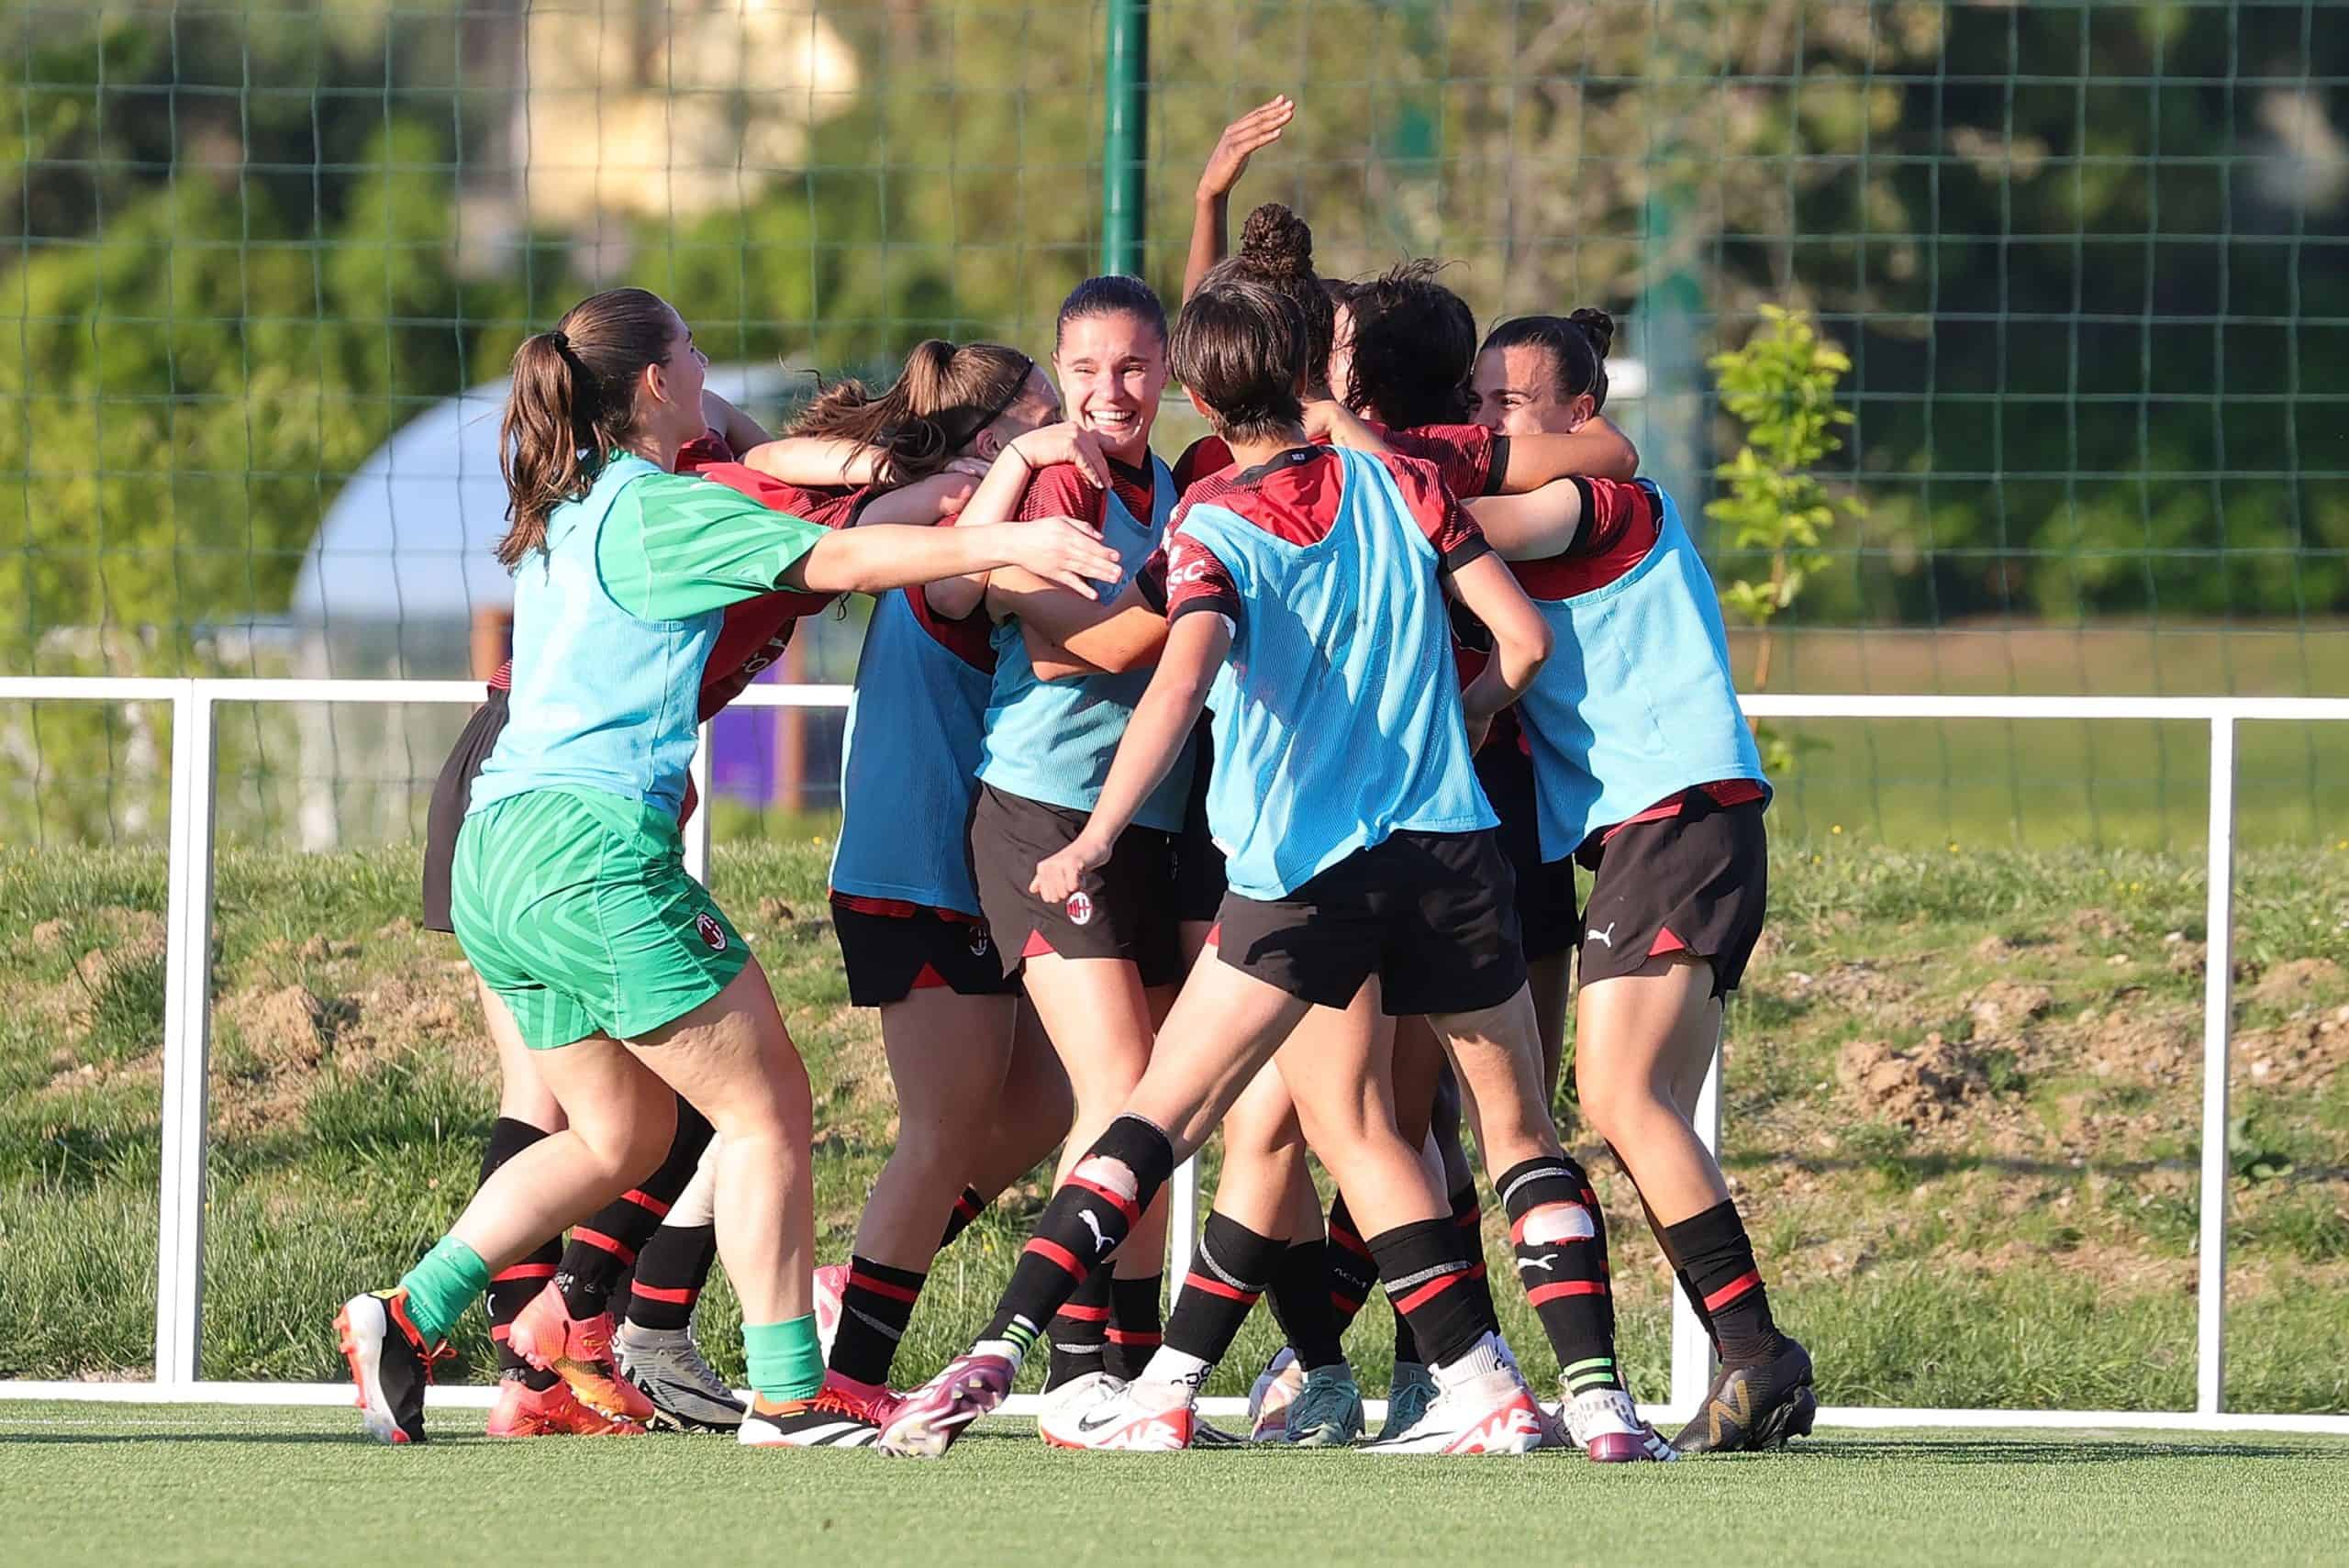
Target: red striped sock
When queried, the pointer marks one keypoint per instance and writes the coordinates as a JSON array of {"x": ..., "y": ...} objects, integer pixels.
[
  {"x": 875, "y": 1306},
  {"x": 1714, "y": 1249},
  {"x": 669, "y": 1272}
]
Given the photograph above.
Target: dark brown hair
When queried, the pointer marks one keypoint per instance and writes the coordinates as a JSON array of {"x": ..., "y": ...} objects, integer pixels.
[
  {"x": 1112, "y": 294},
  {"x": 1577, "y": 346},
  {"x": 573, "y": 402},
  {"x": 938, "y": 404},
  {"x": 1415, "y": 345},
  {"x": 1240, "y": 346},
  {"x": 1277, "y": 250}
]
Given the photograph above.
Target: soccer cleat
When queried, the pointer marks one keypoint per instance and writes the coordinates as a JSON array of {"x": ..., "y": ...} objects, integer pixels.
[
  {"x": 1407, "y": 1399},
  {"x": 1276, "y": 1388},
  {"x": 831, "y": 1285},
  {"x": 876, "y": 1402},
  {"x": 825, "y": 1421},
  {"x": 1749, "y": 1408},
  {"x": 934, "y": 1415},
  {"x": 666, "y": 1366},
  {"x": 522, "y": 1411},
  {"x": 389, "y": 1361},
  {"x": 578, "y": 1351},
  {"x": 1492, "y": 1412},
  {"x": 1206, "y": 1434},
  {"x": 1134, "y": 1418},
  {"x": 1606, "y": 1425},
  {"x": 1327, "y": 1413},
  {"x": 1062, "y": 1406}
]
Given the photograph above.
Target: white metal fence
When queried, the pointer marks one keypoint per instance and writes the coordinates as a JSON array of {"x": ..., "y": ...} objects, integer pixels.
[{"x": 179, "y": 1263}]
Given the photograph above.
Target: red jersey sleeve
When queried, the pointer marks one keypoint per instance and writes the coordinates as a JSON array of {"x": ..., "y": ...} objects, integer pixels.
[
  {"x": 1207, "y": 455},
  {"x": 1471, "y": 457},
  {"x": 1196, "y": 580},
  {"x": 1061, "y": 491},
  {"x": 756, "y": 631},
  {"x": 1618, "y": 528},
  {"x": 704, "y": 450},
  {"x": 1447, "y": 527}
]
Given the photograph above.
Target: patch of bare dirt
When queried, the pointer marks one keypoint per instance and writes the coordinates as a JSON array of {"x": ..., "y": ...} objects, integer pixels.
[
  {"x": 1918, "y": 1088},
  {"x": 50, "y": 935},
  {"x": 2138, "y": 1042},
  {"x": 2003, "y": 1006},
  {"x": 2298, "y": 983},
  {"x": 2302, "y": 1053},
  {"x": 297, "y": 1037}
]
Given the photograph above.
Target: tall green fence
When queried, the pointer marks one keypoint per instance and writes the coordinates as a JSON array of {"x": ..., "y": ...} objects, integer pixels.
[{"x": 2088, "y": 260}]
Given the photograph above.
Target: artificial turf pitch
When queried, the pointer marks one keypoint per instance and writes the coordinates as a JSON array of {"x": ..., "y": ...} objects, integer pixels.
[{"x": 194, "y": 1484}]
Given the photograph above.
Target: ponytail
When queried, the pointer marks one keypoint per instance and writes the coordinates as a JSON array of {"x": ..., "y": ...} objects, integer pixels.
[
  {"x": 936, "y": 409},
  {"x": 571, "y": 404}
]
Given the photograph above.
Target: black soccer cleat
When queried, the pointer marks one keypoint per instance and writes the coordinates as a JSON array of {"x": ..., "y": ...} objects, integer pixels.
[
  {"x": 1751, "y": 1408},
  {"x": 389, "y": 1361}
]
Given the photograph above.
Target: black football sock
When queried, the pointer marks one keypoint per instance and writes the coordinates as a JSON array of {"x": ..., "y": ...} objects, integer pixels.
[
  {"x": 1720, "y": 1259},
  {"x": 1300, "y": 1299},
  {"x": 1561, "y": 1248},
  {"x": 1134, "y": 1323},
  {"x": 1229, "y": 1271},
  {"x": 1088, "y": 1217},
  {"x": 670, "y": 1271},
  {"x": 1426, "y": 1272},
  {"x": 1079, "y": 1332},
  {"x": 967, "y": 1208},
  {"x": 1353, "y": 1273},
  {"x": 876, "y": 1304},
  {"x": 511, "y": 1288},
  {"x": 602, "y": 1250}
]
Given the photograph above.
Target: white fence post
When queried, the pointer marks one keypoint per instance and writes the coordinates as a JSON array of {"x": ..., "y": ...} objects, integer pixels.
[
  {"x": 187, "y": 1037},
  {"x": 1692, "y": 1348},
  {"x": 2218, "y": 1007},
  {"x": 697, "y": 831},
  {"x": 1182, "y": 1225}
]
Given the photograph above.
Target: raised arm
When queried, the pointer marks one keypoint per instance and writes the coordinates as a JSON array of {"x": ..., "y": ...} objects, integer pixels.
[
  {"x": 999, "y": 496},
  {"x": 815, "y": 461},
  {"x": 1212, "y": 204},
  {"x": 1535, "y": 526},
  {"x": 881, "y": 556}
]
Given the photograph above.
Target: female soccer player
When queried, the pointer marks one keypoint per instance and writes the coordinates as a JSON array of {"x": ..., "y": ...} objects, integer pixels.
[
  {"x": 1649, "y": 776},
  {"x": 1360, "y": 847},
  {"x": 1101, "y": 962},
  {"x": 654, "y": 1372},
  {"x": 569, "y": 894}
]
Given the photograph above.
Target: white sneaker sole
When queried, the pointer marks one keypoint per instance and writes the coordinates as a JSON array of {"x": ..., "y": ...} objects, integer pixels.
[{"x": 366, "y": 1323}]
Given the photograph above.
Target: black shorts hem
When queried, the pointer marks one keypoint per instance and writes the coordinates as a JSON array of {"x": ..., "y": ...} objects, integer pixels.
[{"x": 1123, "y": 909}]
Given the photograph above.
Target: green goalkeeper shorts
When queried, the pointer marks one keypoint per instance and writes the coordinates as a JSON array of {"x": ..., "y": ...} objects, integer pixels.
[{"x": 574, "y": 907}]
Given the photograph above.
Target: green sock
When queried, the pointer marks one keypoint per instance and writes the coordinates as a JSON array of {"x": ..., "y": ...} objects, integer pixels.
[
  {"x": 786, "y": 1360},
  {"x": 445, "y": 1282}
]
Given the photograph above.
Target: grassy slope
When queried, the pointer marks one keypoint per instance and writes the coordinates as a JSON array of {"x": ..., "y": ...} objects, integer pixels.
[
  {"x": 110, "y": 1484},
  {"x": 1963, "y": 1095}
]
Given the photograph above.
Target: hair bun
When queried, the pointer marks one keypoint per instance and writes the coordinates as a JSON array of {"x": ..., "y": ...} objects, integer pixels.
[
  {"x": 1276, "y": 244},
  {"x": 1597, "y": 326}
]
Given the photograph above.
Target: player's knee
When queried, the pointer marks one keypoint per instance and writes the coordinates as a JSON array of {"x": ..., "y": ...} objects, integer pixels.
[
  {"x": 1111, "y": 1175},
  {"x": 1548, "y": 1223}
]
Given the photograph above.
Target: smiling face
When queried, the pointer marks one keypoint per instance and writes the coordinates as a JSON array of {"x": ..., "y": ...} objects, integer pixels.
[
  {"x": 1112, "y": 371},
  {"x": 1514, "y": 391}
]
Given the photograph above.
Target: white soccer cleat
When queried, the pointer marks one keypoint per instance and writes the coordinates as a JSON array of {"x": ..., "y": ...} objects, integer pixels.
[
  {"x": 831, "y": 1284},
  {"x": 1134, "y": 1418},
  {"x": 1491, "y": 1412},
  {"x": 1060, "y": 1409},
  {"x": 1275, "y": 1389},
  {"x": 1606, "y": 1426}
]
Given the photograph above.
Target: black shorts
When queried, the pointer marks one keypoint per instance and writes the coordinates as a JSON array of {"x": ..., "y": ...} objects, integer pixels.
[
  {"x": 1545, "y": 893},
  {"x": 1696, "y": 883},
  {"x": 451, "y": 791},
  {"x": 1123, "y": 909},
  {"x": 1198, "y": 864},
  {"x": 1433, "y": 915},
  {"x": 890, "y": 957}
]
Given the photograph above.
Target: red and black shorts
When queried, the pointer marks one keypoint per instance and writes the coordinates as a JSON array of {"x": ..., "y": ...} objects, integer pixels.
[
  {"x": 890, "y": 956},
  {"x": 1545, "y": 893},
  {"x": 1124, "y": 909},
  {"x": 1698, "y": 882},
  {"x": 451, "y": 791},
  {"x": 1433, "y": 915}
]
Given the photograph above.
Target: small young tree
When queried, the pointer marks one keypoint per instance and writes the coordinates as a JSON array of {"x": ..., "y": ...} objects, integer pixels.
[{"x": 1781, "y": 386}]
